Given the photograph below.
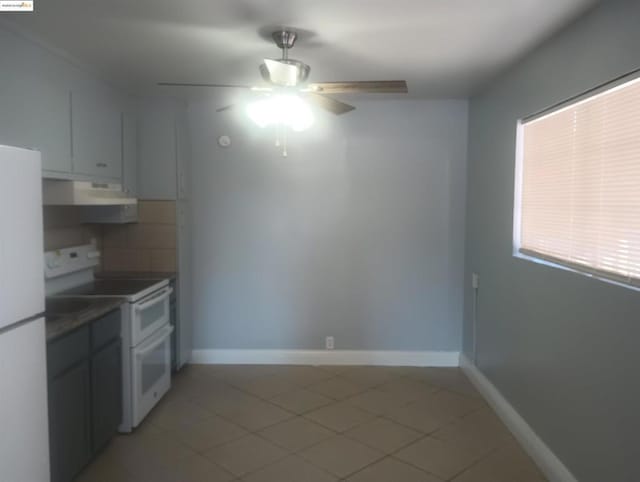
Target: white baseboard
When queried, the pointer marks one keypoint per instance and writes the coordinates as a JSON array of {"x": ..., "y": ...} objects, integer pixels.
[
  {"x": 327, "y": 357},
  {"x": 547, "y": 461}
]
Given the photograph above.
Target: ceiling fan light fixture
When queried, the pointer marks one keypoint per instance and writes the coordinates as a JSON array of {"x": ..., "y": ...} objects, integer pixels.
[
  {"x": 282, "y": 109},
  {"x": 285, "y": 72}
]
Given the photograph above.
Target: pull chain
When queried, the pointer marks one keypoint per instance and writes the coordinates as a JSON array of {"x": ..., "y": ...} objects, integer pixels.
[{"x": 284, "y": 144}]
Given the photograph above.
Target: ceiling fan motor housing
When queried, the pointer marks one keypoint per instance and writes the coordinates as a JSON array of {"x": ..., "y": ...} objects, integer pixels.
[{"x": 284, "y": 39}]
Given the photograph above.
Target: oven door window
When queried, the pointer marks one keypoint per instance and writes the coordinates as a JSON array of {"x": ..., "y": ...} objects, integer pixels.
[
  {"x": 153, "y": 368},
  {"x": 151, "y": 373}
]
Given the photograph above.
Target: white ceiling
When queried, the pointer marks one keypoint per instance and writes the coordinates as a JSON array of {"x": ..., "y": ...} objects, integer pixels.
[{"x": 441, "y": 47}]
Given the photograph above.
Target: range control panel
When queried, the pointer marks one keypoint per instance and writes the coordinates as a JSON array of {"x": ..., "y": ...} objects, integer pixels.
[{"x": 69, "y": 260}]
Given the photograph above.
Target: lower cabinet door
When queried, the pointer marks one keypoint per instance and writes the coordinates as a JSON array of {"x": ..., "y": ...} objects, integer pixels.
[
  {"x": 69, "y": 413},
  {"x": 106, "y": 393}
]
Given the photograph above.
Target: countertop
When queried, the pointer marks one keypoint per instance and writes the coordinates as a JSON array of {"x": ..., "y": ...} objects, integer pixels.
[
  {"x": 171, "y": 275},
  {"x": 62, "y": 317}
]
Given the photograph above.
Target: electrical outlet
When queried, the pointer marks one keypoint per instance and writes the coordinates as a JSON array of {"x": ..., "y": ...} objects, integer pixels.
[
  {"x": 328, "y": 343},
  {"x": 475, "y": 280}
]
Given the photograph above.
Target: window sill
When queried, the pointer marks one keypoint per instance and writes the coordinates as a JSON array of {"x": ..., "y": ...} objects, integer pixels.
[{"x": 551, "y": 264}]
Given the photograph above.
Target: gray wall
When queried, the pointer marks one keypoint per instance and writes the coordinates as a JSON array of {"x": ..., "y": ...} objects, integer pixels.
[
  {"x": 358, "y": 234},
  {"x": 561, "y": 347}
]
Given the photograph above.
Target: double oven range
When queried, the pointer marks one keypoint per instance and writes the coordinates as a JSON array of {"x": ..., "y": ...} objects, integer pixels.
[{"x": 146, "y": 329}]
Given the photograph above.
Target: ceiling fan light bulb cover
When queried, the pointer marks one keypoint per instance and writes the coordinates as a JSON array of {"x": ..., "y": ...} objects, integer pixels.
[
  {"x": 260, "y": 112},
  {"x": 299, "y": 113},
  {"x": 287, "y": 110}
]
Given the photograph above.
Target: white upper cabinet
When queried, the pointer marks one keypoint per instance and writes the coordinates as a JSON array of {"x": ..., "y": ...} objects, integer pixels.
[
  {"x": 72, "y": 118},
  {"x": 96, "y": 133},
  {"x": 34, "y": 103},
  {"x": 157, "y": 162},
  {"x": 129, "y": 153}
]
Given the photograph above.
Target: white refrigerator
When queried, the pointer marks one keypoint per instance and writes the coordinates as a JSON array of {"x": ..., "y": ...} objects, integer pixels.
[{"x": 24, "y": 432}]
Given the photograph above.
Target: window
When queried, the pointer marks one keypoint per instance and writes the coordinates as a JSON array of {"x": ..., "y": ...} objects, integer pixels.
[{"x": 578, "y": 185}]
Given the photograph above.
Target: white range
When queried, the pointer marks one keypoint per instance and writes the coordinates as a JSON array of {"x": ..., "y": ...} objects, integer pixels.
[{"x": 146, "y": 328}]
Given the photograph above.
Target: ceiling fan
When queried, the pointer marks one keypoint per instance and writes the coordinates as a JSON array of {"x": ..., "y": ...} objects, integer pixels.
[{"x": 287, "y": 75}]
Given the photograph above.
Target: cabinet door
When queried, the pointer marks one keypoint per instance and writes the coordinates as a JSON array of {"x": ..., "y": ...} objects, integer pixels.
[
  {"x": 34, "y": 107},
  {"x": 106, "y": 393},
  {"x": 97, "y": 134},
  {"x": 129, "y": 153},
  {"x": 69, "y": 422},
  {"x": 157, "y": 161}
]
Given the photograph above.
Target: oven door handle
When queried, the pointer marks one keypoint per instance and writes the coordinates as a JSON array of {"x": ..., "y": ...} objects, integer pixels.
[
  {"x": 154, "y": 342},
  {"x": 155, "y": 299}
]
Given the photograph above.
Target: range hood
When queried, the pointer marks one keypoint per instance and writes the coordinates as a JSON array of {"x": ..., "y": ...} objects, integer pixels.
[{"x": 83, "y": 193}]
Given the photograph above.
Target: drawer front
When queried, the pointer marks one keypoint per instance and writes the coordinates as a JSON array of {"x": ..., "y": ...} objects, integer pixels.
[
  {"x": 105, "y": 329},
  {"x": 65, "y": 352}
]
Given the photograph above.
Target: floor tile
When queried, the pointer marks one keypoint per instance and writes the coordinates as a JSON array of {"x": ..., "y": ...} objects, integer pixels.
[
  {"x": 419, "y": 417},
  {"x": 303, "y": 375},
  {"x": 335, "y": 369},
  {"x": 207, "y": 433},
  {"x": 197, "y": 468},
  {"x": 267, "y": 386},
  {"x": 392, "y": 470},
  {"x": 409, "y": 389},
  {"x": 171, "y": 415},
  {"x": 301, "y": 401},
  {"x": 256, "y": 414},
  {"x": 198, "y": 370},
  {"x": 105, "y": 469},
  {"x": 450, "y": 403},
  {"x": 222, "y": 399},
  {"x": 245, "y": 455},
  {"x": 291, "y": 469},
  {"x": 189, "y": 386},
  {"x": 479, "y": 432},
  {"x": 444, "y": 459},
  {"x": 384, "y": 435},
  {"x": 296, "y": 434},
  {"x": 452, "y": 379},
  {"x": 236, "y": 372},
  {"x": 339, "y": 416},
  {"x": 378, "y": 402},
  {"x": 341, "y": 456},
  {"x": 337, "y": 388},
  {"x": 507, "y": 464},
  {"x": 146, "y": 455},
  {"x": 397, "y": 424},
  {"x": 369, "y": 376}
]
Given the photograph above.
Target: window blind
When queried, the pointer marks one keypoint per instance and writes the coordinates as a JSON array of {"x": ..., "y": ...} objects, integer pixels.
[{"x": 580, "y": 184}]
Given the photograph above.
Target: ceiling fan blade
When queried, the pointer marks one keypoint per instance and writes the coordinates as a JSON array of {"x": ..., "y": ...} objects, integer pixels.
[
  {"x": 363, "y": 86},
  {"x": 226, "y": 107},
  {"x": 330, "y": 104},
  {"x": 195, "y": 84},
  {"x": 281, "y": 73}
]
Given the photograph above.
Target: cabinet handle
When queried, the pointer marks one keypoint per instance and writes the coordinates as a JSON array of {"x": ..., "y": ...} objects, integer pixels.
[{"x": 101, "y": 164}]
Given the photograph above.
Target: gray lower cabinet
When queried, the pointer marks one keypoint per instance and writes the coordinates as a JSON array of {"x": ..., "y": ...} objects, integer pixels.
[
  {"x": 85, "y": 394},
  {"x": 106, "y": 394},
  {"x": 70, "y": 418}
]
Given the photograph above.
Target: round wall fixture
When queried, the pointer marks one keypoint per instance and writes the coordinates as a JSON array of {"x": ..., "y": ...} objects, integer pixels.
[{"x": 224, "y": 141}]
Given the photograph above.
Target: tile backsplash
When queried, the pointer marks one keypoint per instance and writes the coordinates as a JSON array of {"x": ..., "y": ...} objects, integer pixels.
[
  {"x": 63, "y": 228},
  {"x": 148, "y": 245}
]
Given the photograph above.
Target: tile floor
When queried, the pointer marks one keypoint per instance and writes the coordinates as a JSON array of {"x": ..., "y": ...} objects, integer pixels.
[{"x": 317, "y": 424}]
